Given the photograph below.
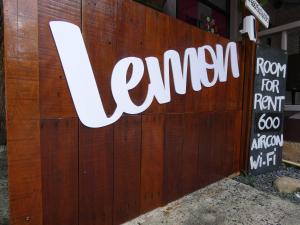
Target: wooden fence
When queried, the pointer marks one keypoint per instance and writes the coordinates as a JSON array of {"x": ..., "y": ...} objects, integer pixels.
[{"x": 63, "y": 173}]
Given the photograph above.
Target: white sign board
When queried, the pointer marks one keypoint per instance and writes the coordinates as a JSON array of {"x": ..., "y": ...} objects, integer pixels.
[{"x": 256, "y": 9}]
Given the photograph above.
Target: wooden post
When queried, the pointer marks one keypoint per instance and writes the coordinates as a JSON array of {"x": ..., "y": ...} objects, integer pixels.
[
  {"x": 249, "y": 74},
  {"x": 23, "y": 115}
]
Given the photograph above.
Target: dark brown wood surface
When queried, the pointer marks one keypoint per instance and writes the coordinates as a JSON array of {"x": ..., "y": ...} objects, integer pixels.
[
  {"x": 59, "y": 147},
  {"x": 61, "y": 172},
  {"x": 96, "y": 162},
  {"x": 152, "y": 161},
  {"x": 127, "y": 168},
  {"x": 23, "y": 114}
]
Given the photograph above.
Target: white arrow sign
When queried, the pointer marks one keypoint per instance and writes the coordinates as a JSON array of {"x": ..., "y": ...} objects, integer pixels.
[{"x": 256, "y": 9}]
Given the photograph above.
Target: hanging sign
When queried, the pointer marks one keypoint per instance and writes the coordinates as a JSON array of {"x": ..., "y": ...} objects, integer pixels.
[
  {"x": 258, "y": 11},
  {"x": 267, "y": 116}
]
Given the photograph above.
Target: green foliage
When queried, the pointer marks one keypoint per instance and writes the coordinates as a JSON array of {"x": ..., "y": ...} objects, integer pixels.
[
  {"x": 5, "y": 221},
  {"x": 247, "y": 178}
]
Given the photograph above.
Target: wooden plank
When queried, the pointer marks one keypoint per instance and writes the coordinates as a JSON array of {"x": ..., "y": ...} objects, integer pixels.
[
  {"x": 24, "y": 177},
  {"x": 249, "y": 67},
  {"x": 127, "y": 171},
  {"x": 190, "y": 153},
  {"x": 131, "y": 21},
  {"x": 22, "y": 94},
  {"x": 22, "y": 110},
  {"x": 205, "y": 156},
  {"x": 173, "y": 157},
  {"x": 218, "y": 144},
  {"x": 59, "y": 147},
  {"x": 152, "y": 161},
  {"x": 234, "y": 86},
  {"x": 99, "y": 25},
  {"x": 21, "y": 69},
  {"x": 156, "y": 43},
  {"x": 220, "y": 90},
  {"x": 95, "y": 175},
  {"x": 198, "y": 102},
  {"x": 55, "y": 98},
  {"x": 179, "y": 39},
  {"x": 235, "y": 142},
  {"x": 225, "y": 149}
]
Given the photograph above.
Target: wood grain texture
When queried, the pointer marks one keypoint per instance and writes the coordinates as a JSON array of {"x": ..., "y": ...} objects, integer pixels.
[
  {"x": 156, "y": 43},
  {"x": 112, "y": 174},
  {"x": 99, "y": 26},
  {"x": 59, "y": 138},
  {"x": 96, "y": 175},
  {"x": 56, "y": 99},
  {"x": 152, "y": 161},
  {"x": 179, "y": 38},
  {"x": 131, "y": 24},
  {"x": 190, "y": 153},
  {"x": 249, "y": 67},
  {"x": 22, "y": 107},
  {"x": 174, "y": 126},
  {"x": 205, "y": 153},
  {"x": 127, "y": 168}
]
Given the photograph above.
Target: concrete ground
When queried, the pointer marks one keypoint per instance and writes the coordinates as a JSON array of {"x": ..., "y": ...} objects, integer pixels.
[{"x": 226, "y": 202}]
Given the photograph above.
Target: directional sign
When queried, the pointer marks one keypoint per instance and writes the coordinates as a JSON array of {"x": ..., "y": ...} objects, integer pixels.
[{"x": 256, "y": 9}]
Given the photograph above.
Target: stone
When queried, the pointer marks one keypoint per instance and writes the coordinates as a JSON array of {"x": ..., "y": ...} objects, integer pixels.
[{"x": 287, "y": 184}]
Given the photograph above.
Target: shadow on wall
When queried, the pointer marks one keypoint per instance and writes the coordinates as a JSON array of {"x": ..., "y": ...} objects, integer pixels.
[{"x": 2, "y": 102}]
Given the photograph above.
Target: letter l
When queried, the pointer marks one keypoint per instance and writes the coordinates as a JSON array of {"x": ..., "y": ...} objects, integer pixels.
[{"x": 80, "y": 76}]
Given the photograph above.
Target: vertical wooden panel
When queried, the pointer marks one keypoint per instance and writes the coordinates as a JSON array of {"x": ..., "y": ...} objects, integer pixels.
[
  {"x": 173, "y": 157},
  {"x": 99, "y": 25},
  {"x": 96, "y": 145},
  {"x": 179, "y": 38},
  {"x": 248, "y": 82},
  {"x": 60, "y": 171},
  {"x": 197, "y": 102},
  {"x": 55, "y": 97},
  {"x": 22, "y": 111},
  {"x": 190, "y": 153},
  {"x": 234, "y": 86},
  {"x": 127, "y": 156},
  {"x": 218, "y": 121},
  {"x": 131, "y": 23},
  {"x": 224, "y": 150},
  {"x": 231, "y": 160},
  {"x": 152, "y": 161},
  {"x": 156, "y": 43},
  {"x": 217, "y": 92},
  {"x": 221, "y": 91},
  {"x": 205, "y": 156},
  {"x": 59, "y": 136},
  {"x": 95, "y": 175}
]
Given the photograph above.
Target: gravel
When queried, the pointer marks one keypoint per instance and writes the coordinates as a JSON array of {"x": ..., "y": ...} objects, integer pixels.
[
  {"x": 3, "y": 187},
  {"x": 264, "y": 182}
]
